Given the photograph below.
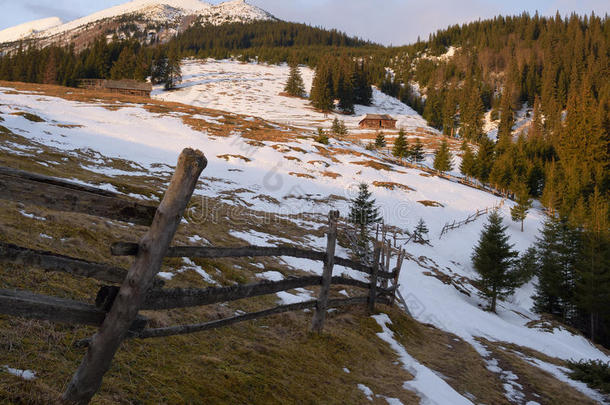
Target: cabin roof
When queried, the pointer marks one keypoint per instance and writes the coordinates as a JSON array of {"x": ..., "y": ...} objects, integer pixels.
[{"x": 384, "y": 117}]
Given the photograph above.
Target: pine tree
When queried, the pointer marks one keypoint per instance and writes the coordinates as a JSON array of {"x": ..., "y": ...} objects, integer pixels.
[
  {"x": 173, "y": 73},
  {"x": 558, "y": 252},
  {"x": 417, "y": 151},
  {"x": 322, "y": 89},
  {"x": 493, "y": 260},
  {"x": 467, "y": 167},
  {"x": 443, "y": 158},
  {"x": 338, "y": 127},
  {"x": 593, "y": 284},
  {"x": 380, "y": 140},
  {"x": 363, "y": 211},
  {"x": 295, "y": 86},
  {"x": 524, "y": 203},
  {"x": 485, "y": 159},
  {"x": 420, "y": 233},
  {"x": 400, "y": 147},
  {"x": 321, "y": 137}
]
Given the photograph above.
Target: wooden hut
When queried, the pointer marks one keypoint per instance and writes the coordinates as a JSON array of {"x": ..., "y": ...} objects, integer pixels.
[
  {"x": 377, "y": 121},
  {"x": 127, "y": 87}
]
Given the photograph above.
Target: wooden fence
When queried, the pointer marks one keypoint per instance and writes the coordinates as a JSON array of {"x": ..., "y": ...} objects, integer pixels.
[
  {"x": 116, "y": 308},
  {"x": 471, "y": 218}
]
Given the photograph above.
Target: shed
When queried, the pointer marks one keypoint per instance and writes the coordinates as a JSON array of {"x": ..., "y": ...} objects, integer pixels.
[
  {"x": 128, "y": 87},
  {"x": 378, "y": 121}
]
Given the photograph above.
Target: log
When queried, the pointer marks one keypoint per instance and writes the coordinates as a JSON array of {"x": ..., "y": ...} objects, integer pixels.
[
  {"x": 60, "y": 195},
  {"x": 186, "y": 329},
  {"x": 25, "y": 304},
  {"x": 131, "y": 249},
  {"x": 58, "y": 263},
  {"x": 319, "y": 316},
  {"x": 373, "y": 289},
  {"x": 162, "y": 299},
  {"x": 193, "y": 297},
  {"x": 153, "y": 247}
]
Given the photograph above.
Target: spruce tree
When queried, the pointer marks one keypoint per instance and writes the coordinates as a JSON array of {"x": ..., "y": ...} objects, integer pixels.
[
  {"x": 524, "y": 203},
  {"x": 322, "y": 88},
  {"x": 295, "y": 86},
  {"x": 485, "y": 159},
  {"x": 593, "y": 282},
  {"x": 558, "y": 252},
  {"x": 321, "y": 137},
  {"x": 443, "y": 158},
  {"x": 400, "y": 147},
  {"x": 338, "y": 127},
  {"x": 417, "y": 151},
  {"x": 493, "y": 260},
  {"x": 468, "y": 161},
  {"x": 363, "y": 211},
  {"x": 173, "y": 74},
  {"x": 420, "y": 233},
  {"x": 380, "y": 140}
]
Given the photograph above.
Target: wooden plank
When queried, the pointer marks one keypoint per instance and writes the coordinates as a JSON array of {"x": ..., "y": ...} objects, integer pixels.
[
  {"x": 131, "y": 249},
  {"x": 29, "y": 305},
  {"x": 60, "y": 195},
  {"x": 48, "y": 261},
  {"x": 373, "y": 288},
  {"x": 25, "y": 304},
  {"x": 162, "y": 299},
  {"x": 58, "y": 263},
  {"x": 153, "y": 247},
  {"x": 319, "y": 316},
  {"x": 193, "y": 297},
  {"x": 187, "y": 329}
]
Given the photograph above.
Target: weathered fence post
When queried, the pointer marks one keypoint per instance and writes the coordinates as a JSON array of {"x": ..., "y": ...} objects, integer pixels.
[
  {"x": 319, "y": 316},
  {"x": 399, "y": 260},
  {"x": 153, "y": 247},
  {"x": 375, "y": 269}
]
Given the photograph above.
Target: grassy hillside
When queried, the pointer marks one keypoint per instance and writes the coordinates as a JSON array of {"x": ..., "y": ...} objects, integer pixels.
[{"x": 274, "y": 360}]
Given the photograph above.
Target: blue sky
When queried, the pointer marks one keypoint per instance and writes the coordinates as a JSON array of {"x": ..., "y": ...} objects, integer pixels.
[{"x": 394, "y": 22}]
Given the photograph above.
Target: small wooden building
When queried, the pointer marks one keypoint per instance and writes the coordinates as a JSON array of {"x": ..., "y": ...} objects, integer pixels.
[
  {"x": 377, "y": 121},
  {"x": 127, "y": 87}
]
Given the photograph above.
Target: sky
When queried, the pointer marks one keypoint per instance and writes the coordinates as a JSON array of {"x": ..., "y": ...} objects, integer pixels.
[{"x": 390, "y": 22}]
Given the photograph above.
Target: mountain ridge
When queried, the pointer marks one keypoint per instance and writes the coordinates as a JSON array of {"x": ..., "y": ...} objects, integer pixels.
[{"x": 145, "y": 15}]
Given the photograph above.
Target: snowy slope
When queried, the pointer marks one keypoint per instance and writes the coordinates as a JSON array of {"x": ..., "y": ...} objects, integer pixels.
[
  {"x": 28, "y": 29},
  {"x": 160, "y": 11},
  {"x": 131, "y": 132},
  {"x": 254, "y": 89}
]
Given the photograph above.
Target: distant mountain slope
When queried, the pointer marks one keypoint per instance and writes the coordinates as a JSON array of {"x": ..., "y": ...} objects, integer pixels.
[
  {"x": 149, "y": 19},
  {"x": 28, "y": 29}
]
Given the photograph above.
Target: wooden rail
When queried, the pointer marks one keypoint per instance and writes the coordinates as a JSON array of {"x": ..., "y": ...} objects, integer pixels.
[
  {"x": 62, "y": 195},
  {"x": 59, "y": 263},
  {"x": 29, "y": 305},
  {"x": 471, "y": 218},
  {"x": 131, "y": 249}
]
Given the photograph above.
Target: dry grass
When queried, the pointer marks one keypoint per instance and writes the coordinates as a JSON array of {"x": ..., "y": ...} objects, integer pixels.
[
  {"x": 429, "y": 203},
  {"x": 391, "y": 186},
  {"x": 374, "y": 165}
]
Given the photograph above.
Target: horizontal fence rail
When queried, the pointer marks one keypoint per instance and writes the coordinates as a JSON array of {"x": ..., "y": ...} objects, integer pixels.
[
  {"x": 162, "y": 299},
  {"x": 62, "y": 195},
  {"x": 29, "y": 305},
  {"x": 131, "y": 249},
  {"x": 48, "y": 261},
  {"x": 201, "y": 327}
]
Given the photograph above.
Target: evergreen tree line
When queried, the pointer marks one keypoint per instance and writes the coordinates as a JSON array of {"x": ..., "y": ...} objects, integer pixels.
[
  {"x": 344, "y": 79},
  {"x": 62, "y": 65}
]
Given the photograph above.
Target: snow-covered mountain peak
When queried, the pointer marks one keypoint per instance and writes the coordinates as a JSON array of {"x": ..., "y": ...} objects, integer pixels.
[
  {"x": 169, "y": 13},
  {"x": 27, "y": 29}
]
